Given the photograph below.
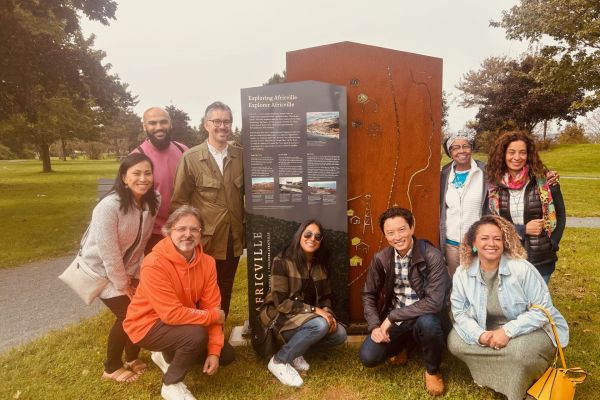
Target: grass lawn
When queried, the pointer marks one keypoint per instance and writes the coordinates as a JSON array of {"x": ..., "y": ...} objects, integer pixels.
[
  {"x": 44, "y": 215},
  {"x": 68, "y": 364}
]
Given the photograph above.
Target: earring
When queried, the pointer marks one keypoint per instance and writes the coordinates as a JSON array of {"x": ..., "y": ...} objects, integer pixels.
[{"x": 474, "y": 249}]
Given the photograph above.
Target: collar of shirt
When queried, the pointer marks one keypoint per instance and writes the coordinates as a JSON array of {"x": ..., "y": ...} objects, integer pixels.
[
  {"x": 216, "y": 153},
  {"x": 399, "y": 258}
]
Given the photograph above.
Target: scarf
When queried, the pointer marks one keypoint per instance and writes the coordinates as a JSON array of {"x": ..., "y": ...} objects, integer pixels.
[{"x": 542, "y": 190}]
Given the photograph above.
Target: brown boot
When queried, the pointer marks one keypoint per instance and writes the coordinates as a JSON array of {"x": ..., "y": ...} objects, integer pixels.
[
  {"x": 434, "y": 384},
  {"x": 400, "y": 358}
]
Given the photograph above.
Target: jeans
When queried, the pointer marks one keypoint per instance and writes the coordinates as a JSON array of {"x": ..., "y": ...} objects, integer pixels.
[
  {"x": 429, "y": 330},
  {"x": 313, "y": 333}
]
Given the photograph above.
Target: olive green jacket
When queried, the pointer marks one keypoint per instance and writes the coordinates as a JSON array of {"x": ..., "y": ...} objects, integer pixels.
[{"x": 219, "y": 197}]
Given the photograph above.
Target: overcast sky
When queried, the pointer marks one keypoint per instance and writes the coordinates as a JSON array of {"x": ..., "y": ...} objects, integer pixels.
[{"x": 190, "y": 53}]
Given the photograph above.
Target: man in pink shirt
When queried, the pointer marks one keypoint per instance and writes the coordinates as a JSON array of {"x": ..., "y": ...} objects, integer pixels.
[{"x": 164, "y": 154}]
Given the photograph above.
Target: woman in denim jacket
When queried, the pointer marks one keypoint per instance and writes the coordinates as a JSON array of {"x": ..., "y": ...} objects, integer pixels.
[{"x": 506, "y": 344}]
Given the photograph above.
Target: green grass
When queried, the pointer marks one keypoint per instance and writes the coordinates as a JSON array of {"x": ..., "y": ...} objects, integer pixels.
[
  {"x": 44, "y": 215},
  {"x": 68, "y": 364}
]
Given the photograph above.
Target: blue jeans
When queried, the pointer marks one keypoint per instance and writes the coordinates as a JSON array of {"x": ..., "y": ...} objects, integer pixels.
[
  {"x": 313, "y": 333},
  {"x": 430, "y": 330}
]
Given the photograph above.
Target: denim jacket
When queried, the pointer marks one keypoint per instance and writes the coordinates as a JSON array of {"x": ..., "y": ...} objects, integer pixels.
[{"x": 520, "y": 286}]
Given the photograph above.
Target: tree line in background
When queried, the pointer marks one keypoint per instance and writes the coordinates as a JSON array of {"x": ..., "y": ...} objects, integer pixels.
[
  {"x": 558, "y": 80},
  {"x": 56, "y": 94},
  {"x": 58, "y": 97}
]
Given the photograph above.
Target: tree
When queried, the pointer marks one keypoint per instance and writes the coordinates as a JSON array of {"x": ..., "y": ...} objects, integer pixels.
[
  {"x": 182, "y": 131},
  {"x": 571, "y": 60},
  {"x": 509, "y": 97},
  {"x": 47, "y": 64},
  {"x": 122, "y": 131},
  {"x": 573, "y": 134},
  {"x": 276, "y": 78}
]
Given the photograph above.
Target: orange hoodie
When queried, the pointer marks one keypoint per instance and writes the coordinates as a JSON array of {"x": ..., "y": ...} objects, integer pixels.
[{"x": 170, "y": 289}]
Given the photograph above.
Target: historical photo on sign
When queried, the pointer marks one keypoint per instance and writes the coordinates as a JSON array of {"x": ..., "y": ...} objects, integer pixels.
[
  {"x": 322, "y": 126},
  {"x": 328, "y": 187},
  {"x": 290, "y": 184},
  {"x": 262, "y": 185}
]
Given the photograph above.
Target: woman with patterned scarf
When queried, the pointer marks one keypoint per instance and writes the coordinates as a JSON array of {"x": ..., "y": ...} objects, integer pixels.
[{"x": 519, "y": 191}]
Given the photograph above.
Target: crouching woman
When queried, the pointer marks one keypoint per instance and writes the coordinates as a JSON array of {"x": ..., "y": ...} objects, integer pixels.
[
  {"x": 506, "y": 344},
  {"x": 300, "y": 299}
]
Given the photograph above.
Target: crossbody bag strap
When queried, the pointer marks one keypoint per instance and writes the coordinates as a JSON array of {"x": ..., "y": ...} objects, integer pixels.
[
  {"x": 553, "y": 325},
  {"x": 84, "y": 238}
]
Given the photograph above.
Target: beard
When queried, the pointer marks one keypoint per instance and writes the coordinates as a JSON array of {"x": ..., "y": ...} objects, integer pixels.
[{"x": 163, "y": 143}]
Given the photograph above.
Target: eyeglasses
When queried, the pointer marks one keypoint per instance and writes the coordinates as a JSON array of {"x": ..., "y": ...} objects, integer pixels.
[
  {"x": 458, "y": 147},
  {"x": 219, "y": 122},
  {"x": 308, "y": 234},
  {"x": 182, "y": 229}
]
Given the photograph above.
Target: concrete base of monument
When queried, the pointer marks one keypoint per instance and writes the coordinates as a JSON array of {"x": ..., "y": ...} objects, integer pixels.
[{"x": 240, "y": 336}]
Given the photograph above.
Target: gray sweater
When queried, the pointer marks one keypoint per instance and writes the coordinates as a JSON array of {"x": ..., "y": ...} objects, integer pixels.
[{"x": 111, "y": 233}]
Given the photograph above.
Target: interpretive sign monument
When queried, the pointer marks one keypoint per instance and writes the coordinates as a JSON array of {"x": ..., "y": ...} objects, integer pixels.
[{"x": 295, "y": 163}]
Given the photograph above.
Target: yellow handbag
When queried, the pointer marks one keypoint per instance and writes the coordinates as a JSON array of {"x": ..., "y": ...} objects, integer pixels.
[{"x": 556, "y": 383}]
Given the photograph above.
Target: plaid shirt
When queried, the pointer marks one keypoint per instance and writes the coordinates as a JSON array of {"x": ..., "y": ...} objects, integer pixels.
[{"x": 404, "y": 295}]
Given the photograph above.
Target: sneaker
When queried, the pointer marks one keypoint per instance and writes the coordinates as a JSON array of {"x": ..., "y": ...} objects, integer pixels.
[
  {"x": 400, "y": 358},
  {"x": 285, "y": 373},
  {"x": 300, "y": 364},
  {"x": 434, "y": 384},
  {"x": 176, "y": 391},
  {"x": 159, "y": 360}
]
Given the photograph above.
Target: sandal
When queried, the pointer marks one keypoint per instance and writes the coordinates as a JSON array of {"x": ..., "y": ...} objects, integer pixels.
[
  {"x": 121, "y": 375},
  {"x": 137, "y": 366}
]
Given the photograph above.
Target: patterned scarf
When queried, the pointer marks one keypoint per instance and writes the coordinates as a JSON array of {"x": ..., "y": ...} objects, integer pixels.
[{"x": 517, "y": 183}]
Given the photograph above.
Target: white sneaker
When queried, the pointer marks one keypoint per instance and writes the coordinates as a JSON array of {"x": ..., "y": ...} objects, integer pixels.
[
  {"x": 176, "y": 391},
  {"x": 159, "y": 360},
  {"x": 300, "y": 364},
  {"x": 285, "y": 373}
]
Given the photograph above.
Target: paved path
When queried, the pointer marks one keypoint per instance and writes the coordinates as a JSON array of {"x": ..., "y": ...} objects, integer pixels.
[{"x": 33, "y": 301}]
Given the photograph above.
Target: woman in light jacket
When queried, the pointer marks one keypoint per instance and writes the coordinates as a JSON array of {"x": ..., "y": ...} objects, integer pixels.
[
  {"x": 463, "y": 196},
  {"x": 506, "y": 344},
  {"x": 114, "y": 247}
]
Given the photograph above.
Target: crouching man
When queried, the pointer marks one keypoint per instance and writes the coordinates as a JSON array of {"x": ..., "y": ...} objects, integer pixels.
[
  {"x": 411, "y": 278},
  {"x": 176, "y": 310}
]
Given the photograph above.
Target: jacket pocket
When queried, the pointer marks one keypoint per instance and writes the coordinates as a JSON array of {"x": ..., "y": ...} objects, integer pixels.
[{"x": 209, "y": 189}]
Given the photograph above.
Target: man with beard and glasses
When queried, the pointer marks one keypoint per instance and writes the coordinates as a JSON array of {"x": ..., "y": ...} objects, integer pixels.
[
  {"x": 210, "y": 177},
  {"x": 175, "y": 310},
  {"x": 164, "y": 154}
]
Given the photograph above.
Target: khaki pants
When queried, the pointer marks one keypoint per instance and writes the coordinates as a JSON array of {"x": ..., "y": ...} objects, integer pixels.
[{"x": 452, "y": 258}]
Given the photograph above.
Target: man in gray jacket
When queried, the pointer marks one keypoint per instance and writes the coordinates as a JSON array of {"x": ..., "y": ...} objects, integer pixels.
[{"x": 410, "y": 276}]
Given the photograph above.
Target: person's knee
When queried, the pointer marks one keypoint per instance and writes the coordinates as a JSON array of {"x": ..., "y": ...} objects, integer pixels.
[
  {"x": 428, "y": 326},
  {"x": 367, "y": 356},
  {"x": 340, "y": 335},
  {"x": 320, "y": 325},
  {"x": 196, "y": 337}
]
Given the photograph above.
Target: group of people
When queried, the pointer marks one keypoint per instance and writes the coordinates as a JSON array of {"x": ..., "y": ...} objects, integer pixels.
[{"x": 169, "y": 234}]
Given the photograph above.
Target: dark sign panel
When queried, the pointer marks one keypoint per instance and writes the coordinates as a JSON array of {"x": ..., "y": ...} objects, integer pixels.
[{"x": 295, "y": 163}]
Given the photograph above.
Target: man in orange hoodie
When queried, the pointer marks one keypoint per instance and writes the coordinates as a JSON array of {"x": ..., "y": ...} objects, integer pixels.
[{"x": 176, "y": 310}]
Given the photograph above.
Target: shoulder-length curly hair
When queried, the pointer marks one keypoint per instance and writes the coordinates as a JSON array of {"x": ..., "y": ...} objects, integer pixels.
[
  {"x": 496, "y": 166},
  {"x": 510, "y": 239},
  {"x": 294, "y": 252}
]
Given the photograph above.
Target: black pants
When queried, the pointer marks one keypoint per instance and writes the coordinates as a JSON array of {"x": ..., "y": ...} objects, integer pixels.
[
  {"x": 182, "y": 346},
  {"x": 117, "y": 338},
  {"x": 429, "y": 330},
  {"x": 226, "y": 270}
]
